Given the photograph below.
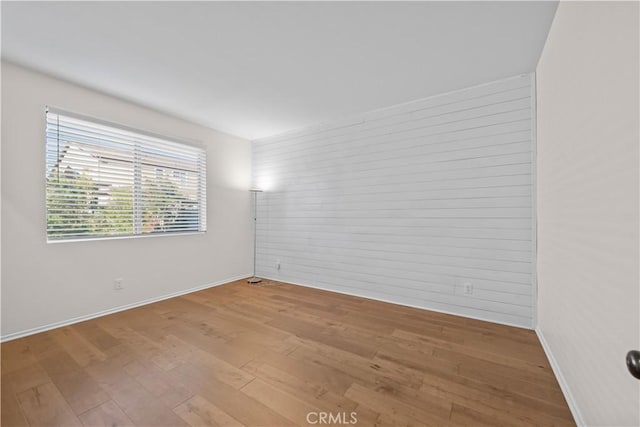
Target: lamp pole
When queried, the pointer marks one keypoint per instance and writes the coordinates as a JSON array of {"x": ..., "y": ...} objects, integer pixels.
[{"x": 253, "y": 280}]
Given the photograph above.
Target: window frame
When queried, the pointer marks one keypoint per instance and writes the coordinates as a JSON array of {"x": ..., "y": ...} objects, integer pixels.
[{"x": 202, "y": 176}]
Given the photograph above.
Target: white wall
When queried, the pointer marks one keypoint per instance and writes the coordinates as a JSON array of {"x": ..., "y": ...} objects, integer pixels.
[
  {"x": 588, "y": 187},
  {"x": 47, "y": 283},
  {"x": 408, "y": 203}
]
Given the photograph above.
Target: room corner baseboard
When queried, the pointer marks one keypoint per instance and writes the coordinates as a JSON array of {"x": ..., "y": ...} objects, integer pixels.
[
  {"x": 564, "y": 386},
  {"x": 90, "y": 316}
]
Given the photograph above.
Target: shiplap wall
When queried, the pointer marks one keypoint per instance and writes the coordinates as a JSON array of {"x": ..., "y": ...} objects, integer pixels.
[{"x": 409, "y": 203}]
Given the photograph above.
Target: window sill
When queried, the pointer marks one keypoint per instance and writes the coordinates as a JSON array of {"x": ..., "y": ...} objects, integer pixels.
[{"x": 130, "y": 236}]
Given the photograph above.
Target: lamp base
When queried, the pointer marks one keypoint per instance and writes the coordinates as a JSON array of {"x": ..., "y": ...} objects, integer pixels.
[{"x": 253, "y": 280}]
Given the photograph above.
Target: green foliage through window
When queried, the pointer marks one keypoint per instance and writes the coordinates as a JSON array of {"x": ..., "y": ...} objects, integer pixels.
[{"x": 104, "y": 182}]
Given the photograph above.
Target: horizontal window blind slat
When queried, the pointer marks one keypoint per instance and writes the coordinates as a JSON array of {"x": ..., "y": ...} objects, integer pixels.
[{"x": 105, "y": 181}]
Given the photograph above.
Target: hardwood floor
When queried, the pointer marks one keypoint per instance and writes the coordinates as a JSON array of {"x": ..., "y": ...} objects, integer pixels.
[{"x": 279, "y": 355}]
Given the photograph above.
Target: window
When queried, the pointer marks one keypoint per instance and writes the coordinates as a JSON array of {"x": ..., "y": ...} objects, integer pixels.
[{"x": 109, "y": 181}]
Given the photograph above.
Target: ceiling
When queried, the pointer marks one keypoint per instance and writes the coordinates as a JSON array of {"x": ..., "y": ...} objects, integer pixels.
[{"x": 254, "y": 69}]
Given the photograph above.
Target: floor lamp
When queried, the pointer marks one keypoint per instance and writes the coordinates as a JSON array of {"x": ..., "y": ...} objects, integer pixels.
[{"x": 253, "y": 280}]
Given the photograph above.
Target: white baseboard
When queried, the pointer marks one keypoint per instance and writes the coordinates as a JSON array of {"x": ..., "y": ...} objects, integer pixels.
[
  {"x": 353, "y": 294},
  {"x": 564, "y": 386},
  {"x": 71, "y": 321}
]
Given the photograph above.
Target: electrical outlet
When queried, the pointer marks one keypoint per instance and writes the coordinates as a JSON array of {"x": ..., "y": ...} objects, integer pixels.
[
  {"x": 468, "y": 288},
  {"x": 278, "y": 265},
  {"x": 118, "y": 284}
]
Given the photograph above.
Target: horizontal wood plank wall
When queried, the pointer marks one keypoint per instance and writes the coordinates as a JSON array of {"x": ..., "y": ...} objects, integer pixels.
[{"x": 409, "y": 203}]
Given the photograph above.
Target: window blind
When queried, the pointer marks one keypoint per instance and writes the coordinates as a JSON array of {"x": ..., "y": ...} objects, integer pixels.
[{"x": 107, "y": 181}]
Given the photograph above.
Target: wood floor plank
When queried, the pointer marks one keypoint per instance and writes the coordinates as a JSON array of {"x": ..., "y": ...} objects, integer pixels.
[
  {"x": 10, "y": 412},
  {"x": 303, "y": 388},
  {"x": 207, "y": 362},
  {"x": 439, "y": 407},
  {"x": 78, "y": 347},
  {"x": 500, "y": 404},
  {"x": 415, "y": 360},
  {"x": 463, "y": 416},
  {"x": 121, "y": 355},
  {"x": 355, "y": 366},
  {"x": 268, "y": 355},
  {"x": 540, "y": 390},
  {"x": 197, "y": 411},
  {"x": 158, "y": 383},
  {"x": 141, "y": 406},
  {"x": 92, "y": 332},
  {"x": 25, "y": 378},
  {"x": 324, "y": 375},
  {"x": 43, "y": 405},
  {"x": 215, "y": 345},
  {"x": 366, "y": 417},
  {"x": 58, "y": 362},
  {"x": 519, "y": 348},
  {"x": 144, "y": 347},
  {"x": 108, "y": 414},
  {"x": 229, "y": 399},
  {"x": 80, "y": 390},
  {"x": 15, "y": 355},
  {"x": 535, "y": 372},
  {"x": 400, "y": 411},
  {"x": 287, "y": 405},
  {"x": 324, "y": 335}
]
